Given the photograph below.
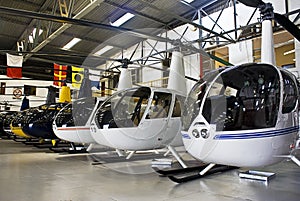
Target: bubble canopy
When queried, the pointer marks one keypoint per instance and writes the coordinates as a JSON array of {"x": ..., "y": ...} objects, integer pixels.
[{"x": 240, "y": 98}]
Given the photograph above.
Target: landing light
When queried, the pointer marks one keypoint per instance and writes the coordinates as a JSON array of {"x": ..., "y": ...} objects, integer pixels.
[
  {"x": 204, "y": 133},
  {"x": 195, "y": 133}
]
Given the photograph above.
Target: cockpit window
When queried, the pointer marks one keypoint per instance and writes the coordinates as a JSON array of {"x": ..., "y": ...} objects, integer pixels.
[
  {"x": 160, "y": 105},
  {"x": 76, "y": 113},
  {"x": 123, "y": 109},
  {"x": 244, "y": 98},
  {"x": 193, "y": 102}
]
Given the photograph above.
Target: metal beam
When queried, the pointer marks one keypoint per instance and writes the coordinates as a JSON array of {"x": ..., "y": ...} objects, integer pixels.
[
  {"x": 64, "y": 27},
  {"x": 136, "y": 13},
  {"x": 32, "y": 22},
  {"x": 182, "y": 19},
  {"x": 73, "y": 21}
]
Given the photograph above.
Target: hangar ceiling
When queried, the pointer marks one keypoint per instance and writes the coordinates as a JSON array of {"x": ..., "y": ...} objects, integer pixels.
[{"x": 89, "y": 20}]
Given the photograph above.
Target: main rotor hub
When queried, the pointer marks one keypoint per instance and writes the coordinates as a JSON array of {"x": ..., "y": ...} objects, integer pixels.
[{"x": 266, "y": 11}]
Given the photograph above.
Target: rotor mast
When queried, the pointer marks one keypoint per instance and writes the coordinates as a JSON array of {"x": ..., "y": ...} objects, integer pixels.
[{"x": 267, "y": 41}]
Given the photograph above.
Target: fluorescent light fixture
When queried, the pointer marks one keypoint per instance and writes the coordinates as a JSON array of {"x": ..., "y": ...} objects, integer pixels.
[
  {"x": 70, "y": 44},
  {"x": 289, "y": 52},
  {"x": 30, "y": 38},
  {"x": 103, "y": 50},
  {"x": 187, "y": 1},
  {"x": 124, "y": 18},
  {"x": 32, "y": 35},
  {"x": 34, "y": 32}
]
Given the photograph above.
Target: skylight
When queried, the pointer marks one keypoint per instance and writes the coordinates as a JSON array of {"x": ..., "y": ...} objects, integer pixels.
[
  {"x": 32, "y": 35},
  {"x": 70, "y": 44},
  {"x": 103, "y": 50},
  {"x": 124, "y": 18}
]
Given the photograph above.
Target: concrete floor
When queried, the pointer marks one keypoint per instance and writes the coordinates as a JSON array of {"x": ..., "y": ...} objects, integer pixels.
[{"x": 29, "y": 173}]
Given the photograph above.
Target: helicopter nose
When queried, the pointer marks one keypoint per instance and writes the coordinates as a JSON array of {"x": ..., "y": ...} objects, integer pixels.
[{"x": 203, "y": 132}]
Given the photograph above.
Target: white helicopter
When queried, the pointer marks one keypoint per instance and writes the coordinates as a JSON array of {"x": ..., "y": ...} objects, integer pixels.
[
  {"x": 72, "y": 123},
  {"x": 247, "y": 115},
  {"x": 143, "y": 118}
]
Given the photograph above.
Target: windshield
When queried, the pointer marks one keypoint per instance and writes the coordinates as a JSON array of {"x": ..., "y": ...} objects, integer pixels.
[
  {"x": 123, "y": 109},
  {"x": 76, "y": 113},
  {"x": 193, "y": 101}
]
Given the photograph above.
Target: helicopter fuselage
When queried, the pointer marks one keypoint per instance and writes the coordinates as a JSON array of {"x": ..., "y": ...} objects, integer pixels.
[
  {"x": 72, "y": 123},
  {"x": 140, "y": 118},
  {"x": 245, "y": 116}
]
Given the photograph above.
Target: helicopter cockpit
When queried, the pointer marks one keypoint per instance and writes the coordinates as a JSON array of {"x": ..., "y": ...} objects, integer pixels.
[
  {"x": 76, "y": 113},
  {"x": 241, "y": 99},
  {"x": 128, "y": 107},
  {"x": 123, "y": 109},
  {"x": 44, "y": 113}
]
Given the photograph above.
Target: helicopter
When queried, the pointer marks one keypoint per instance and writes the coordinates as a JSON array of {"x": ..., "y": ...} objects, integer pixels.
[
  {"x": 143, "y": 118},
  {"x": 5, "y": 132},
  {"x": 37, "y": 121},
  {"x": 72, "y": 123},
  {"x": 246, "y": 115},
  {"x": 15, "y": 125},
  {"x": 7, "y": 118}
]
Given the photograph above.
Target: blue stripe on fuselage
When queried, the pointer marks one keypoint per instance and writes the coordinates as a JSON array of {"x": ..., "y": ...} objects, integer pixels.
[
  {"x": 185, "y": 135},
  {"x": 263, "y": 134}
]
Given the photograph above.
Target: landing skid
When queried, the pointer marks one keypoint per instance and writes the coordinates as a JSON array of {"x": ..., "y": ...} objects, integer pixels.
[
  {"x": 70, "y": 148},
  {"x": 115, "y": 158},
  {"x": 181, "y": 175}
]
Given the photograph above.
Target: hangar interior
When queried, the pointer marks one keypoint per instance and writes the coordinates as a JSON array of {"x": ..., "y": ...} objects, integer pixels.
[{"x": 105, "y": 39}]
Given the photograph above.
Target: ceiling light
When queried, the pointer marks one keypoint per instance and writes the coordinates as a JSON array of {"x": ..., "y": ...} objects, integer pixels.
[
  {"x": 34, "y": 32},
  {"x": 70, "y": 44},
  {"x": 187, "y": 1},
  {"x": 124, "y": 18},
  {"x": 103, "y": 50},
  {"x": 289, "y": 52},
  {"x": 30, "y": 38}
]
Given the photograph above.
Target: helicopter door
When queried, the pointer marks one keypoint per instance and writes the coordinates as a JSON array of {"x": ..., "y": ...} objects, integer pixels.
[
  {"x": 173, "y": 133},
  {"x": 290, "y": 97},
  {"x": 157, "y": 117}
]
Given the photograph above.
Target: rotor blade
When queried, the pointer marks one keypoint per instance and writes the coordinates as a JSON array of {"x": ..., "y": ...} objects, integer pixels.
[
  {"x": 288, "y": 25},
  {"x": 252, "y": 3}
]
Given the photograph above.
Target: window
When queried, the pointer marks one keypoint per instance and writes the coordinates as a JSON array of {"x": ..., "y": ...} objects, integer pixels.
[
  {"x": 160, "y": 105},
  {"x": 123, "y": 109},
  {"x": 136, "y": 75},
  {"x": 179, "y": 100},
  {"x": 244, "y": 98},
  {"x": 29, "y": 90},
  {"x": 289, "y": 93},
  {"x": 2, "y": 88}
]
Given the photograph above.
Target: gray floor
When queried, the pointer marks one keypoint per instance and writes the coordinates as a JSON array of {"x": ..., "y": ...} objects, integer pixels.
[{"x": 29, "y": 173}]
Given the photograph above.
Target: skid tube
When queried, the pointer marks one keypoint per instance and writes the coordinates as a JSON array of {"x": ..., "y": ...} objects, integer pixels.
[{"x": 181, "y": 175}]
